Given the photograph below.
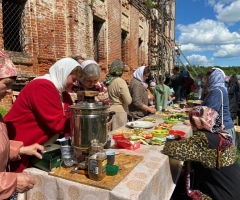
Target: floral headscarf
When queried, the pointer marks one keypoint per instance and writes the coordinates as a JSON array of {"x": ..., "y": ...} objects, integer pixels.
[
  {"x": 138, "y": 74},
  {"x": 116, "y": 70},
  {"x": 205, "y": 118},
  {"x": 216, "y": 79},
  {"x": 7, "y": 68}
]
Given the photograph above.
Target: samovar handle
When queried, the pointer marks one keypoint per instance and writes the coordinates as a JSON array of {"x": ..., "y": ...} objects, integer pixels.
[{"x": 110, "y": 114}]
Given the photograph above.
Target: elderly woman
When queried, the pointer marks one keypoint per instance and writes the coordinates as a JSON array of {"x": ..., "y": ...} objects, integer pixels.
[
  {"x": 151, "y": 99},
  {"x": 12, "y": 150},
  {"x": 217, "y": 98},
  {"x": 90, "y": 81},
  {"x": 139, "y": 106},
  {"x": 212, "y": 155},
  {"x": 119, "y": 94},
  {"x": 39, "y": 113}
]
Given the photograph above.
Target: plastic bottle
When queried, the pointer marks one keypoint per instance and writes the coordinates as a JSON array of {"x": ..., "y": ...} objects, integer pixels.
[
  {"x": 97, "y": 162},
  {"x": 67, "y": 152}
]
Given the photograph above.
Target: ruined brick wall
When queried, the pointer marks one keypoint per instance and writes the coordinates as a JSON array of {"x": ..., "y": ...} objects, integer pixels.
[{"x": 58, "y": 29}]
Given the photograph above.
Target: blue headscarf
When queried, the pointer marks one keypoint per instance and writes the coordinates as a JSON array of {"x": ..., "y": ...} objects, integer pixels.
[{"x": 216, "y": 79}]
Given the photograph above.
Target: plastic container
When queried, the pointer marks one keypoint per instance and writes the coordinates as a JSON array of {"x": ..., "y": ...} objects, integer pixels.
[
  {"x": 180, "y": 133},
  {"x": 182, "y": 105},
  {"x": 110, "y": 157},
  {"x": 159, "y": 133},
  {"x": 122, "y": 142},
  {"x": 174, "y": 122},
  {"x": 112, "y": 170},
  {"x": 170, "y": 138}
]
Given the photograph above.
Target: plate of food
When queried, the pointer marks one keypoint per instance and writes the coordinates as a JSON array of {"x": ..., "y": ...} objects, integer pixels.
[
  {"x": 148, "y": 119},
  {"x": 140, "y": 124}
]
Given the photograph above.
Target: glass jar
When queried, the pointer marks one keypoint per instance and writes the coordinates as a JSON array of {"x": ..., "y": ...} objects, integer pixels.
[{"x": 97, "y": 161}]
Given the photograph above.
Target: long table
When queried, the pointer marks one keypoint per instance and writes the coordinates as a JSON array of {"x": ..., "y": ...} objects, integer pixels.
[{"x": 153, "y": 178}]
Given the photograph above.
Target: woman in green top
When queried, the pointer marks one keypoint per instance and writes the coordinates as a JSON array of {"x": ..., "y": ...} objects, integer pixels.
[{"x": 161, "y": 93}]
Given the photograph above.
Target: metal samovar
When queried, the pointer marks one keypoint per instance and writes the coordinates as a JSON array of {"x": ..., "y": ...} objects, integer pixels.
[{"x": 89, "y": 123}]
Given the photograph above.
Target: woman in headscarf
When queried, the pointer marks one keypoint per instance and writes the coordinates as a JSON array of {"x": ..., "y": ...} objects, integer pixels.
[
  {"x": 217, "y": 98},
  {"x": 234, "y": 81},
  {"x": 39, "y": 112},
  {"x": 151, "y": 100},
  {"x": 119, "y": 94},
  {"x": 12, "y": 183},
  {"x": 213, "y": 157},
  {"x": 161, "y": 93},
  {"x": 90, "y": 81},
  {"x": 232, "y": 96},
  {"x": 139, "y": 106}
]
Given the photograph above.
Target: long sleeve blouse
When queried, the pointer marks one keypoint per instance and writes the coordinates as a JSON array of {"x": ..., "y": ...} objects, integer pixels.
[
  {"x": 119, "y": 95},
  {"x": 214, "y": 100},
  {"x": 36, "y": 116},
  {"x": 9, "y": 151},
  {"x": 139, "y": 98}
]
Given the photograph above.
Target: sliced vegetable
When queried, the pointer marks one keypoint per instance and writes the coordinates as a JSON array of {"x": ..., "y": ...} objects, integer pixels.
[{"x": 135, "y": 137}]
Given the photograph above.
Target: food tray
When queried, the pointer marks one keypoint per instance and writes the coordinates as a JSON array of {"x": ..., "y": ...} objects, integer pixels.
[{"x": 125, "y": 143}]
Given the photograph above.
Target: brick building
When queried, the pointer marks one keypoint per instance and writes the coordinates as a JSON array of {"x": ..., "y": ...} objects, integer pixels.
[{"x": 35, "y": 34}]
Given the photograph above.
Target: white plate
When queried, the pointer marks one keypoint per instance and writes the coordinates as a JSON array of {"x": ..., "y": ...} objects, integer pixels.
[
  {"x": 140, "y": 124},
  {"x": 173, "y": 110}
]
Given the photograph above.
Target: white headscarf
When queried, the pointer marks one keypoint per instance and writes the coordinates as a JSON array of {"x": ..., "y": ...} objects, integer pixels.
[
  {"x": 216, "y": 79},
  {"x": 59, "y": 72},
  {"x": 87, "y": 62},
  {"x": 153, "y": 84},
  {"x": 138, "y": 74}
]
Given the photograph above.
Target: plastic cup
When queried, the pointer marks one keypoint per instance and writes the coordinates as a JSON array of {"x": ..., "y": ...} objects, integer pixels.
[
  {"x": 182, "y": 105},
  {"x": 160, "y": 108},
  {"x": 170, "y": 138},
  {"x": 112, "y": 170},
  {"x": 110, "y": 157}
]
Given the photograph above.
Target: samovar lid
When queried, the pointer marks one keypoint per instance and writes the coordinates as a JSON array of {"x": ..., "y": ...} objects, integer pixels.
[
  {"x": 92, "y": 106},
  {"x": 89, "y": 102}
]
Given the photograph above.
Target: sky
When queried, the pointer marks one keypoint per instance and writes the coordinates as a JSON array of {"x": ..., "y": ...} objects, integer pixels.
[{"x": 208, "y": 32}]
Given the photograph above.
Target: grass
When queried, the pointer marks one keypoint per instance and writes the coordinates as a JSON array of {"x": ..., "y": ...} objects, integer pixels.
[{"x": 3, "y": 111}]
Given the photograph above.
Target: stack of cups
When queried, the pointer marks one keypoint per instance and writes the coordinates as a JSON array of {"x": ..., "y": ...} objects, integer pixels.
[
  {"x": 110, "y": 157},
  {"x": 67, "y": 152},
  {"x": 160, "y": 108}
]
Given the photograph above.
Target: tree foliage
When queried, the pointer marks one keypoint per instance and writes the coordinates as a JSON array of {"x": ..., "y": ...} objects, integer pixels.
[{"x": 228, "y": 70}]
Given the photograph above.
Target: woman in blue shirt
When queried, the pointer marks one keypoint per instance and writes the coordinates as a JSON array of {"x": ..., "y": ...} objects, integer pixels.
[{"x": 217, "y": 96}]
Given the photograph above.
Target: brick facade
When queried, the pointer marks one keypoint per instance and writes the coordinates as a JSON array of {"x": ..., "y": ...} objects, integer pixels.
[{"x": 58, "y": 29}]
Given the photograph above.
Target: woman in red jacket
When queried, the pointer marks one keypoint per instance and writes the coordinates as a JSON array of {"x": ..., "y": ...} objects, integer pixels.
[
  {"x": 12, "y": 150},
  {"x": 39, "y": 111}
]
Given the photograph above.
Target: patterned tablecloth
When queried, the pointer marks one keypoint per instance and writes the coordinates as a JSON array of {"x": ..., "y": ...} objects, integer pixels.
[{"x": 153, "y": 178}]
